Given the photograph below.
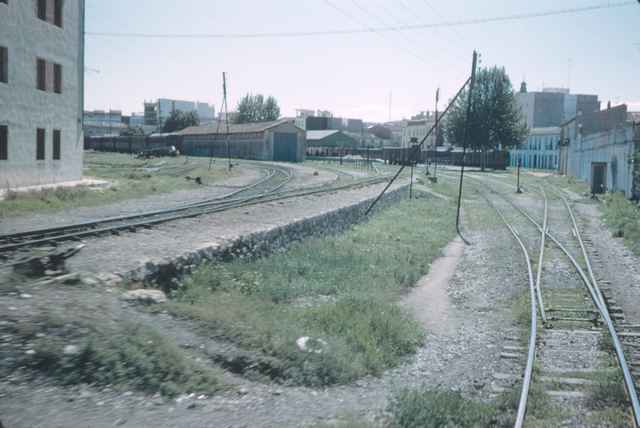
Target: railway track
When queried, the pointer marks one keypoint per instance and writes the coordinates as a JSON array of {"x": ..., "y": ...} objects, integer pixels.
[
  {"x": 576, "y": 319},
  {"x": 260, "y": 192}
]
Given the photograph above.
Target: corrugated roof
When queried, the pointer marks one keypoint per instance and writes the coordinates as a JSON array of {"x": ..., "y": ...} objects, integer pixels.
[
  {"x": 319, "y": 135},
  {"x": 221, "y": 128}
]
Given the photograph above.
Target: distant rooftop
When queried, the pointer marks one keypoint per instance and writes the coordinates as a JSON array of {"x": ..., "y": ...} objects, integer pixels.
[
  {"x": 221, "y": 128},
  {"x": 319, "y": 135}
]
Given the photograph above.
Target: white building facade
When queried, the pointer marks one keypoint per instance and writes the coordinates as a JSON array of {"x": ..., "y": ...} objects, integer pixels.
[
  {"x": 541, "y": 150},
  {"x": 41, "y": 91},
  {"x": 418, "y": 129}
]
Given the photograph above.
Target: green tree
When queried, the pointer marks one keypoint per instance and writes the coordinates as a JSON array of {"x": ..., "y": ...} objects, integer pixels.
[
  {"x": 495, "y": 118},
  {"x": 179, "y": 120},
  {"x": 254, "y": 108}
]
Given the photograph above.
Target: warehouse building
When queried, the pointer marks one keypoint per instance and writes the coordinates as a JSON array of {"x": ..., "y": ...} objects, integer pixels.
[
  {"x": 279, "y": 140},
  {"x": 41, "y": 91},
  {"x": 321, "y": 142}
]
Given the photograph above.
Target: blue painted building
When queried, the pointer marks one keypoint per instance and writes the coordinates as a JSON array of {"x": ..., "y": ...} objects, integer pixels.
[{"x": 541, "y": 149}]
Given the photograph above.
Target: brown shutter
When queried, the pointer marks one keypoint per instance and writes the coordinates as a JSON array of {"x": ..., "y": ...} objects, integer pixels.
[
  {"x": 57, "y": 78},
  {"x": 57, "y": 12},
  {"x": 40, "y": 144},
  {"x": 49, "y": 76},
  {"x": 4, "y": 142},
  {"x": 4, "y": 64},
  {"x": 41, "y": 9},
  {"x": 57, "y": 137},
  {"x": 41, "y": 79},
  {"x": 50, "y": 11}
]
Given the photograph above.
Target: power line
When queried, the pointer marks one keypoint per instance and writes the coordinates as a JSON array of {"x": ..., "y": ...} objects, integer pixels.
[{"x": 369, "y": 29}]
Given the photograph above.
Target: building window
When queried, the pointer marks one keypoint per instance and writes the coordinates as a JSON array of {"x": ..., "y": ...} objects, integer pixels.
[
  {"x": 56, "y": 144},
  {"x": 4, "y": 142},
  {"x": 42, "y": 75},
  {"x": 50, "y": 11},
  {"x": 57, "y": 78},
  {"x": 4, "y": 64},
  {"x": 40, "y": 144},
  {"x": 57, "y": 13},
  {"x": 49, "y": 76}
]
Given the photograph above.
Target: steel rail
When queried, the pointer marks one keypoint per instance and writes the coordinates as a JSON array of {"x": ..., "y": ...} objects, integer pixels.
[
  {"x": 596, "y": 297},
  {"x": 545, "y": 227},
  {"x": 531, "y": 354},
  {"x": 171, "y": 214},
  {"x": 628, "y": 379},
  {"x": 181, "y": 207}
]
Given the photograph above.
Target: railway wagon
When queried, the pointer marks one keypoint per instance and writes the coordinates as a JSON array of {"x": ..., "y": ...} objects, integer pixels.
[
  {"x": 495, "y": 159},
  {"x": 133, "y": 144}
]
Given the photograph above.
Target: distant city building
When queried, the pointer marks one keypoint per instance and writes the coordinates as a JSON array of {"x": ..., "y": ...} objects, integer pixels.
[
  {"x": 98, "y": 123},
  {"x": 380, "y": 131},
  {"x": 157, "y": 112},
  {"x": 136, "y": 119},
  {"x": 541, "y": 150},
  {"x": 544, "y": 112},
  {"x": 41, "y": 91},
  {"x": 151, "y": 114},
  {"x": 168, "y": 106},
  {"x": 418, "y": 128},
  {"x": 324, "y": 120},
  {"x": 553, "y": 106}
]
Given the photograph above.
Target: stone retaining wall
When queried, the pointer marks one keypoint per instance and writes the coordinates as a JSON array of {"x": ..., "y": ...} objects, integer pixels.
[{"x": 166, "y": 274}]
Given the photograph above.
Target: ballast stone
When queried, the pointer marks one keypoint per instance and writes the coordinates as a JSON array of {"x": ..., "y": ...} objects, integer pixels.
[{"x": 147, "y": 296}]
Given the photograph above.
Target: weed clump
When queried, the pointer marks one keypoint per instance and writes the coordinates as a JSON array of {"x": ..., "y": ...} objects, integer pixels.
[
  {"x": 436, "y": 409},
  {"x": 136, "y": 357},
  {"x": 623, "y": 218}
]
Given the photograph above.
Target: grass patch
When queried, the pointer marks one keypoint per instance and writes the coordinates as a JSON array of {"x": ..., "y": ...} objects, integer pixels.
[
  {"x": 339, "y": 290},
  {"x": 132, "y": 356},
  {"x": 610, "y": 418},
  {"x": 436, "y": 409},
  {"x": 608, "y": 390},
  {"x": 130, "y": 178},
  {"x": 623, "y": 218}
]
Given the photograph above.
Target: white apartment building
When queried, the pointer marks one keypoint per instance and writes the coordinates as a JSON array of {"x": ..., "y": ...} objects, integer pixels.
[
  {"x": 41, "y": 91},
  {"x": 418, "y": 129}
]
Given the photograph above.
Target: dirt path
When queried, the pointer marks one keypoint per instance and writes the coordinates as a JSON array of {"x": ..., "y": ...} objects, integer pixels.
[{"x": 429, "y": 301}]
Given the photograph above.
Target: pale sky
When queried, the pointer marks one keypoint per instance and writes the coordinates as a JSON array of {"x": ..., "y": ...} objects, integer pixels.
[{"x": 353, "y": 74}]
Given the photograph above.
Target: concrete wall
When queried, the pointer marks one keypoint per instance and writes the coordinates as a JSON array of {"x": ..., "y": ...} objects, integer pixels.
[
  {"x": 615, "y": 148},
  {"x": 24, "y": 108}
]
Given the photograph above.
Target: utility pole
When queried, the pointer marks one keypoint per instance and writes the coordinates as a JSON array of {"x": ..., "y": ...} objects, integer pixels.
[
  {"x": 464, "y": 140},
  {"x": 226, "y": 116},
  {"x": 518, "y": 190},
  {"x": 435, "y": 145}
]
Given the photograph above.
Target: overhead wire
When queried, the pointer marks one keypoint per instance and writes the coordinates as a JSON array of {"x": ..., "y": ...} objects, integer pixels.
[{"x": 370, "y": 29}]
